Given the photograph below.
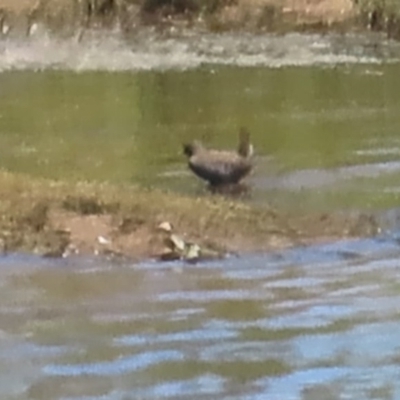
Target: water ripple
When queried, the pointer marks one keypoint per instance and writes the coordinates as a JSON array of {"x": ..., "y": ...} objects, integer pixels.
[{"x": 312, "y": 322}]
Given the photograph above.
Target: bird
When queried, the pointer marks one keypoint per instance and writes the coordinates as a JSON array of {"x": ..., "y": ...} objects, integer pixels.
[{"x": 221, "y": 167}]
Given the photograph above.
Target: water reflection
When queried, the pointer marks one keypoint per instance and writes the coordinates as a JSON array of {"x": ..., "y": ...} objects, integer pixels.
[{"x": 309, "y": 322}]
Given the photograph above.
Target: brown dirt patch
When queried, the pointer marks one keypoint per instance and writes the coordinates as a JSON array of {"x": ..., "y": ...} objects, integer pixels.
[
  {"x": 102, "y": 234},
  {"x": 276, "y": 15},
  {"x": 325, "y": 10},
  {"x": 18, "y": 6}
]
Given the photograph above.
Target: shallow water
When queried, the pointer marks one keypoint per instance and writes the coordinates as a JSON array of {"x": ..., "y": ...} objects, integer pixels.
[
  {"x": 313, "y": 323},
  {"x": 322, "y": 110}
]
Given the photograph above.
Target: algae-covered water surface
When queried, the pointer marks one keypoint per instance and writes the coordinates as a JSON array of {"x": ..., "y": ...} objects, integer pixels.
[{"x": 325, "y": 135}]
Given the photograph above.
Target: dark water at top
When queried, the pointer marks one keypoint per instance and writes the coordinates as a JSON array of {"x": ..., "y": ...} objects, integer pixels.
[{"x": 310, "y": 323}]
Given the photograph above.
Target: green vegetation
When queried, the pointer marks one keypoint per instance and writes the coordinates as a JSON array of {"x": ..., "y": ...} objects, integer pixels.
[{"x": 381, "y": 15}]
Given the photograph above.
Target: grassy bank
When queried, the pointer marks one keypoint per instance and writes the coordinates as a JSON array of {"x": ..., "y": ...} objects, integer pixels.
[
  {"x": 70, "y": 16},
  {"x": 260, "y": 15},
  {"x": 381, "y": 15},
  {"x": 58, "y": 218}
]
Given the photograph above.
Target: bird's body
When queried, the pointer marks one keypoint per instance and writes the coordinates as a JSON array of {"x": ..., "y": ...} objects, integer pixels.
[{"x": 221, "y": 167}]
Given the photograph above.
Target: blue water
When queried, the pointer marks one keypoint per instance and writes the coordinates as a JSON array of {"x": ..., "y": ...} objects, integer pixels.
[{"x": 318, "y": 322}]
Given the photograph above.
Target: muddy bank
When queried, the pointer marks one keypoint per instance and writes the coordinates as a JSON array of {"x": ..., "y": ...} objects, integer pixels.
[
  {"x": 22, "y": 16},
  {"x": 57, "y": 219},
  {"x": 74, "y": 17}
]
